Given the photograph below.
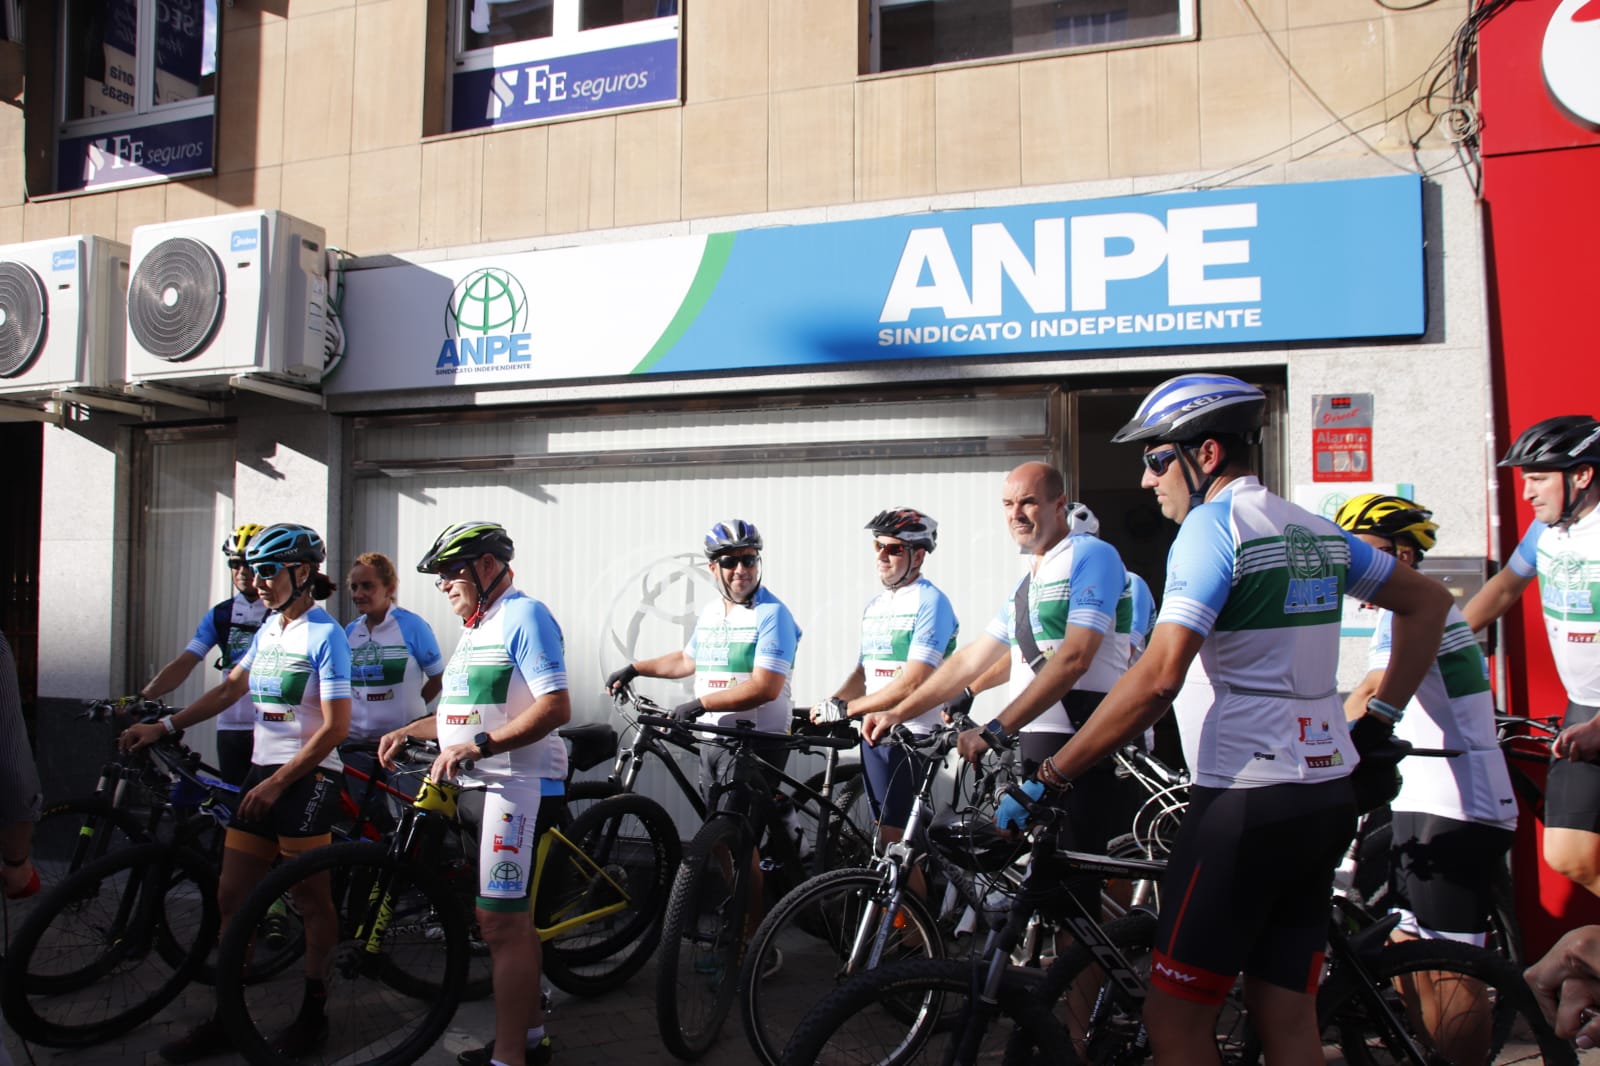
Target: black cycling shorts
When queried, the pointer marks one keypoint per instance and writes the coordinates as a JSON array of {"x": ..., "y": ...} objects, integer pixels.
[
  {"x": 717, "y": 764},
  {"x": 1441, "y": 871},
  {"x": 1247, "y": 888},
  {"x": 1572, "y": 790},
  {"x": 893, "y": 774},
  {"x": 306, "y": 808}
]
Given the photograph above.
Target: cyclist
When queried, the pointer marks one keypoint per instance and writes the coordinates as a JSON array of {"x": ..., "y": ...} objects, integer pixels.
[
  {"x": 21, "y": 800},
  {"x": 1454, "y": 819},
  {"x": 906, "y": 631},
  {"x": 297, "y": 672},
  {"x": 1559, "y": 459},
  {"x": 1064, "y": 655},
  {"x": 395, "y": 664},
  {"x": 1253, "y": 593},
  {"x": 229, "y": 627},
  {"x": 504, "y": 696}
]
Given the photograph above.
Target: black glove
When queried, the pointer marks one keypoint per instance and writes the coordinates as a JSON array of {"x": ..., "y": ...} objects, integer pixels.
[
  {"x": 1370, "y": 732},
  {"x": 621, "y": 679},
  {"x": 688, "y": 712}
]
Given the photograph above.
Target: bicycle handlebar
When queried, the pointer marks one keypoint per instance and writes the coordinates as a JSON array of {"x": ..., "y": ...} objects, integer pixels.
[{"x": 746, "y": 732}]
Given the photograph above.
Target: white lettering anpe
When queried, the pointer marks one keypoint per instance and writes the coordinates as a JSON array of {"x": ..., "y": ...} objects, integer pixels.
[
  {"x": 1189, "y": 253},
  {"x": 1093, "y": 264}
]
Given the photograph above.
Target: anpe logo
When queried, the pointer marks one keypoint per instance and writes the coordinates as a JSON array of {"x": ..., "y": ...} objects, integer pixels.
[{"x": 486, "y": 320}]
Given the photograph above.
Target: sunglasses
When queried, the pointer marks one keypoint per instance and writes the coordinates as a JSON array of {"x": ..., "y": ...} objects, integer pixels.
[
  {"x": 893, "y": 550},
  {"x": 1157, "y": 462},
  {"x": 728, "y": 562},
  {"x": 457, "y": 574},
  {"x": 237, "y": 564},
  {"x": 268, "y": 571}
]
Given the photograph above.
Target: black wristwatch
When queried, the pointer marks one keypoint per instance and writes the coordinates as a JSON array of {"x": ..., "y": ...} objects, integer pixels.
[
  {"x": 995, "y": 735},
  {"x": 485, "y": 745}
]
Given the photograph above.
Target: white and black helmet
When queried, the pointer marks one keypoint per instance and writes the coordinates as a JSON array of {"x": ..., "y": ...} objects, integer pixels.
[
  {"x": 1082, "y": 520},
  {"x": 731, "y": 535},
  {"x": 907, "y": 525}
]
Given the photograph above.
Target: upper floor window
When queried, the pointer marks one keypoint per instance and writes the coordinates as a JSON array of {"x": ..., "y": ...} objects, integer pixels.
[
  {"x": 526, "y": 60},
  {"x": 136, "y": 90},
  {"x": 923, "y": 33}
]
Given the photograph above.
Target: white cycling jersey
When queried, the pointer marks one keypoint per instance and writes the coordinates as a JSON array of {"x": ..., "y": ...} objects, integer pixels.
[
  {"x": 244, "y": 618},
  {"x": 1567, "y": 562},
  {"x": 729, "y": 642},
  {"x": 1261, "y": 580},
  {"x": 914, "y": 623},
  {"x": 388, "y": 664},
  {"x": 513, "y": 657},
  {"x": 294, "y": 667},
  {"x": 1453, "y": 709},
  {"x": 1079, "y": 582}
]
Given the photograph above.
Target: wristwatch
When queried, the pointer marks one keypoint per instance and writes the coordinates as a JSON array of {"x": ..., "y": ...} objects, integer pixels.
[
  {"x": 995, "y": 735},
  {"x": 485, "y": 745}
]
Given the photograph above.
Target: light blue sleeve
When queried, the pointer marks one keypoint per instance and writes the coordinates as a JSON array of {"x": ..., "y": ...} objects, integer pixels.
[
  {"x": 1097, "y": 583},
  {"x": 1002, "y": 627},
  {"x": 330, "y": 652},
  {"x": 934, "y": 628},
  {"x": 777, "y": 638},
  {"x": 1369, "y": 568},
  {"x": 1382, "y": 642},
  {"x": 1524, "y": 562},
  {"x": 421, "y": 642},
  {"x": 1200, "y": 568},
  {"x": 205, "y": 635},
  {"x": 535, "y": 644},
  {"x": 1144, "y": 606}
]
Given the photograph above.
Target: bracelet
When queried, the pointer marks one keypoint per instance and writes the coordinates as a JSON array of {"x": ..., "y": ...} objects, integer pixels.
[
  {"x": 1386, "y": 711},
  {"x": 171, "y": 726},
  {"x": 1051, "y": 776}
]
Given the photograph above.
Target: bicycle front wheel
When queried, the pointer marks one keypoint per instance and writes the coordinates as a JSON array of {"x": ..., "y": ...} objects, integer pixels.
[
  {"x": 628, "y": 853},
  {"x": 394, "y": 971},
  {"x": 98, "y": 929},
  {"x": 703, "y": 938},
  {"x": 1455, "y": 1003},
  {"x": 862, "y": 1021}
]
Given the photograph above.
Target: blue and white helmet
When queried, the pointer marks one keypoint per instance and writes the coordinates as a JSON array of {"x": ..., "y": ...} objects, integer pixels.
[
  {"x": 1082, "y": 520},
  {"x": 1191, "y": 406},
  {"x": 286, "y": 542},
  {"x": 732, "y": 534}
]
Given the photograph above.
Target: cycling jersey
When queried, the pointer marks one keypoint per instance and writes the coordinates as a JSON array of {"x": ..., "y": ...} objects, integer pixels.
[
  {"x": 294, "y": 666},
  {"x": 499, "y": 669},
  {"x": 1567, "y": 562},
  {"x": 244, "y": 618},
  {"x": 1141, "y": 608},
  {"x": 1079, "y": 582},
  {"x": 1261, "y": 580},
  {"x": 1453, "y": 709},
  {"x": 388, "y": 663},
  {"x": 911, "y": 624},
  {"x": 730, "y": 642}
]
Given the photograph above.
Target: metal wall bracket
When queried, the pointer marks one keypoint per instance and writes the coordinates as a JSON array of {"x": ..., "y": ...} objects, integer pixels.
[
  {"x": 279, "y": 389},
  {"x": 46, "y": 411},
  {"x": 101, "y": 402},
  {"x": 171, "y": 397}
]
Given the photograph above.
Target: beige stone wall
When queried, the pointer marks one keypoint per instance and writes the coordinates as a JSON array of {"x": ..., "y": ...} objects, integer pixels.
[{"x": 323, "y": 105}]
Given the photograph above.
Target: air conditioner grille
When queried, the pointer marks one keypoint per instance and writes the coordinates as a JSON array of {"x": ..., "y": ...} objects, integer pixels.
[
  {"x": 23, "y": 318},
  {"x": 175, "y": 299}
]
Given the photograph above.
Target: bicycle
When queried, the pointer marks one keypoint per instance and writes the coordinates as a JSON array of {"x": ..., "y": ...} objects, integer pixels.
[{"x": 399, "y": 965}]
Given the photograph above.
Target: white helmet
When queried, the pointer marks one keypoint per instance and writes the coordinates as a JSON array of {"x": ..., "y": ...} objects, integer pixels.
[{"x": 1081, "y": 520}]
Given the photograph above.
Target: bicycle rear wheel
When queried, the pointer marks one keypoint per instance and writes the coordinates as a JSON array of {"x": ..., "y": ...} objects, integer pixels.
[
  {"x": 634, "y": 851},
  {"x": 702, "y": 938},
  {"x": 394, "y": 975},
  {"x": 75, "y": 832},
  {"x": 84, "y": 967}
]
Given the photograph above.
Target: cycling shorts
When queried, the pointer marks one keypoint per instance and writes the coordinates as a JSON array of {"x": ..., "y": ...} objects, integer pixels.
[
  {"x": 305, "y": 809},
  {"x": 1247, "y": 888},
  {"x": 893, "y": 774},
  {"x": 1572, "y": 791},
  {"x": 515, "y": 815},
  {"x": 1441, "y": 873},
  {"x": 234, "y": 747},
  {"x": 717, "y": 763}
]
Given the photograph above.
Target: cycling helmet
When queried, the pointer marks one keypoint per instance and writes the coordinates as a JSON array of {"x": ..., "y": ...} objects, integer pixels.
[
  {"x": 286, "y": 542},
  {"x": 1192, "y": 406},
  {"x": 464, "y": 542},
  {"x": 1558, "y": 443},
  {"x": 730, "y": 535},
  {"x": 907, "y": 525},
  {"x": 237, "y": 541},
  {"x": 1081, "y": 520},
  {"x": 1389, "y": 516}
]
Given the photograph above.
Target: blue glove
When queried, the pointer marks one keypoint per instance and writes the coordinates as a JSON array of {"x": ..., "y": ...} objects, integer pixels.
[{"x": 1010, "y": 814}]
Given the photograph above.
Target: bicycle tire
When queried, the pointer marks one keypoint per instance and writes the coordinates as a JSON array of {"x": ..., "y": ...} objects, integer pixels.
[
  {"x": 71, "y": 833},
  {"x": 702, "y": 938},
  {"x": 581, "y": 795},
  {"x": 386, "y": 1004},
  {"x": 817, "y": 924},
  {"x": 634, "y": 842},
  {"x": 859, "y": 1022},
  {"x": 848, "y": 845},
  {"x": 1516, "y": 1028},
  {"x": 99, "y": 928}
]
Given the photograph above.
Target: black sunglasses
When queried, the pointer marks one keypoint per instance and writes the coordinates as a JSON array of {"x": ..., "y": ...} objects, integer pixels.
[
  {"x": 1157, "y": 462},
  {"x": 237, "y": 564},
  {"x": 728, "y": 562}
]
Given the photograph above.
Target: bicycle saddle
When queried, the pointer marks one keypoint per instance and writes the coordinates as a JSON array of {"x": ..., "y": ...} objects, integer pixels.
[{"x": 589, "y": 744}]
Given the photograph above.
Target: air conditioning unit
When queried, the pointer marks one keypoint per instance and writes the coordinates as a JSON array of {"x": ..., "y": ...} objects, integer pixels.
[
  {"x": 61, "y": 315},
  {"x": 210, "y": 298}
]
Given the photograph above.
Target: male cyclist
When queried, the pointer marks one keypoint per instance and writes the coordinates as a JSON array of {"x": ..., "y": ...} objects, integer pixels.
[
  {"x": 229, "y": 627},
  {"x": 504, "y": 697},
  {"x": 907, "y": 629},
  {"x": 1253, "y": 603},
  {"x": 1559, "y": 459}
]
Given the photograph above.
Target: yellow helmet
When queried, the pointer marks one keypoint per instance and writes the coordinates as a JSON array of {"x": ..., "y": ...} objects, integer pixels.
[
  {"x": 1389, "y": 516},
  {"x": 239, "y": 540}
]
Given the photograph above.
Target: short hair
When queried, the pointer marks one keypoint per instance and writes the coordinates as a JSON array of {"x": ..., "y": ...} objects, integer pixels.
[{"x": 1053, "y": 483}]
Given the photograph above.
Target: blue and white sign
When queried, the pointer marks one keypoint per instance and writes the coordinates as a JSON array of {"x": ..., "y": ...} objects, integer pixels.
[
  {"x": 1233, "y": 266},
  {"x": 628, "y": 76},
  {"x": 138, "y": 153}
]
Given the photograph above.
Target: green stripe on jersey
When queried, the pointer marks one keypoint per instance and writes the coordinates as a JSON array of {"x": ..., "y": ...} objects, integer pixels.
[{"x": 1285, "y": 581}]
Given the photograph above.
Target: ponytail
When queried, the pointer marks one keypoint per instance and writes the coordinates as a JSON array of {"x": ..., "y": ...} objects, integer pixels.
[{"x": 322, "y": 586}]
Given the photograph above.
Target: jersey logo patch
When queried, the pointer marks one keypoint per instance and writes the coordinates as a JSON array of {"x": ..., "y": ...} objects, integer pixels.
[{"x": 1313, "y": 581}]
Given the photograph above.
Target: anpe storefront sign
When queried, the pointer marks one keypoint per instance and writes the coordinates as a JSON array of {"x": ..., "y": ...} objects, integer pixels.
[{"x": 1235, "y": 266}]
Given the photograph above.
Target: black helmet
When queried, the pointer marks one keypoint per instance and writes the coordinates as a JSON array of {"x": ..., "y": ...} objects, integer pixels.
[
  {"x": 734, "y": 533},
  {"x": 286, "y": 542},
  {"x": 464, "y": 542},
  {"x": 1558, "y": 443},
  {"x": 908, "y": 525}
]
